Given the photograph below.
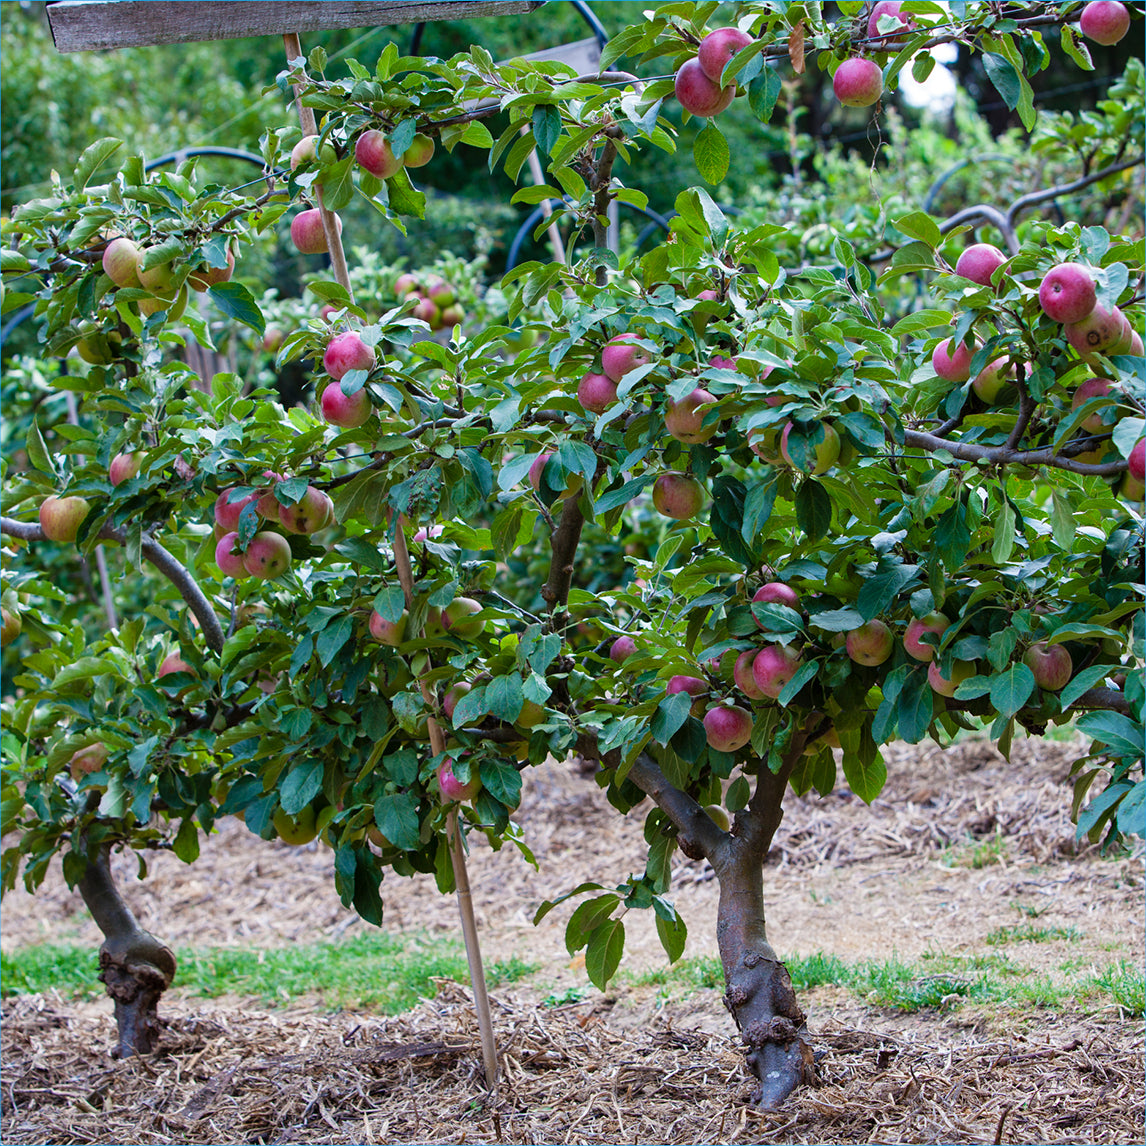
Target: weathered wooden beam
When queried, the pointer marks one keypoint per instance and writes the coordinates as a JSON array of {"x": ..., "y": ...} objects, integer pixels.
[{"x": 97, "y": 25}]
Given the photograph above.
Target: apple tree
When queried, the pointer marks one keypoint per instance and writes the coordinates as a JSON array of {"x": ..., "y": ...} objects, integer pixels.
[{"x": 867, "y": 514}]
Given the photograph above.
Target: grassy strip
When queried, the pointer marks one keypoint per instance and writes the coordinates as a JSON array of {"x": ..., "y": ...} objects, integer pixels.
[
  {"x": 381, "y": 971},
  {"x": 944, "y": 982}
]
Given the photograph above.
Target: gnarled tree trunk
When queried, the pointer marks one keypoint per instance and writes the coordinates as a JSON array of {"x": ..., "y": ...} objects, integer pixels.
[{"x": 135, "y": 967}]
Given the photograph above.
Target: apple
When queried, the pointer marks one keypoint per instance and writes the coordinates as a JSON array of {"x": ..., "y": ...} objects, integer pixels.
[
  {"x": 887, "y": 8},
  {"x": 386, "y": 632},
  {"x": 946, "y": 686},
  {"x": 991, "y": 380},
  {"x": 773, "y": 667},
  {"x": 453, "y": 316},
  {"x": 678, "y": 496},
  {"x": 826, "y": 454},
  {"x": 11, "y": 624},
  {"x": 346, "y": 352},
  {"x": 307, "y": 234},
  {"x": 207, "y": 276},
  {"x": 312, "y": 512},
  {"x": 1131, "y": 488},
  {"x": 267, "y": 556},
  {"x": 573, "y": 481},
  {"x": 1067, "y": 293},
  {"x": 372, "y": 153},
  {"x": 979, "y": 262},
  {"x": 427, "y": 310},
  {"x": 347, "y": 412},
  {"x": 1135, "y": 343},
  {"x": 727, "y": 728},
  {"x": 776, "y": 593},
  {"x": 1136, "y": 463},
  {"x": 94, "y": 347},
  {"x": 304, "y": 152},
  {"x": 159, "y": 279},
  {"x": 1104, "y": 21},
  {"x": 1102, "y": 331},
  {"x": 229, "y": 561},
  {"x": 953, "y": 362},
  {"x": 452, "y": 789},
  {"x": 268, "y": 503},
  {"x": 86, "y": 760},
  {"x": 934, "y": 622},
  {"x": 684, "y": 419},
  {"x": 295, "y": 830},
  {"x": 61, "y": 517},
  {"x": 596, "y": 392},
  {"x": 764, "y": 442},
  {"x": 121, "y": 262},
  {"x": 173, "y": 305},
  {"x": 440, "y": 293},
  {"x": 622, "y": 648},
  {"x": 694, "y": 686},
  {"x": 1051, "y": 665},
  {"x": 420, "y": 151},
  {"x": 272, "y": 339},
  {"x": 460, "y": 620},
  {"x": 123, "y": 467},
  {"x": 227, "y": 512},
  {"x": 1091, "y": 388},
  {"x": 743, "y": 677},
  {"x": 619, "y": 357},
  {"x": 698, "y": 94},
  {"x": 453, "y": 695},
  {"x": 858, "y": 82},
  {"x": 717, "y": 48},
  {"x": 173, "y": 663},
  {"x": 406, "y": 284},
  {"x": 871, "y": 643},
  {"x": 718, "y": 816},
  {"x": 531, "y": 715}
]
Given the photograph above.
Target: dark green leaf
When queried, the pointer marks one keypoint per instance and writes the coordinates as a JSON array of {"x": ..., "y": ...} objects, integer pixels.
[
  {"x": 673, "y": 935},
  {"x": 93, "y": 158},
  {"x": 235, "y": 301},
  {"x": 504, "y": 698},
  {"x": 1006, "y": 80},
  {"x": 1011, "y": 689},
  {"x": 397, "y": 819},
  {"x": 671, "y": 713},
  {"x": 763, "y": 92},
  {"x": 711, "y": 154},
  {"x": 302, "y": 784},
  {"x": 502, "y": 781},
  {"x": 813, "y": 509},
  {"x": 603, "y": 955},
  {"x": 186, "y": 842},
  {"x": 586, "y": 918}
]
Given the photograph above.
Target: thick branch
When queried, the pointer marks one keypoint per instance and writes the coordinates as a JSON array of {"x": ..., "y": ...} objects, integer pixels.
[
  {"x": 699, "y": 835},
  {"x": 169, "y": 566},
  {"x": 1002, "y": 455},
  {"x": 1104, "y": 698},
  {"x": 563, "y": 545}
]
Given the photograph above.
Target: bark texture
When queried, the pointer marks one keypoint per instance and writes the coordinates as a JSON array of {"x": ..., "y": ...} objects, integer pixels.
[{"x": 135, "y": 967}]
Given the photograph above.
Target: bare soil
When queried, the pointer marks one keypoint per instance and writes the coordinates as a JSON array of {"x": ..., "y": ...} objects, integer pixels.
[{"x": 960, "y": 844}]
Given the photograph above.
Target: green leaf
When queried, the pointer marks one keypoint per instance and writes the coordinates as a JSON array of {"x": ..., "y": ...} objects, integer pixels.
[
  {"x": 1001, "y": 72},
  {"x": 914, "y": 709},
  {"x": 397, "y": 819},
  {"x": 671, "y": 713},
  {"x": 93, "y": 158},
  {"x": 603, "y": 955},
  {"x": 546, "y": 126},
  {"x": 673, "y": 935},
  {"x": 235, "y": 301},
  {"x": 1004, "y": 540},
  {"x": 710, "y": 153},
  {"x": 332, "y": 638},
  {"x": 367, "y": 901},
  {"x": 763, "y": 92},
  {"x": 1085, "y": 680},
  {"x": 337, "y": 182},
  {"x": 504, "y": 698},
  {"x": 302, "y": 784},
  {"x": 1122, "y": 734},
  {"x": 919, "y": 225},
  {"x": 186, "y": 842},
  {"x": 863, "y": 767},
  {"x": 813, "y": 509},
  {"x": 804, "y": 673},
  {"x": 587, "y": 918},
  {"x": 502, "y": 781},
  {"x": 37, "y": 450},
  {"x": 1011, "y": 689}
]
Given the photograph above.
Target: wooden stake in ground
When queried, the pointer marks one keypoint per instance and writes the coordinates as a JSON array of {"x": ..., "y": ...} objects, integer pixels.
[{"x": 406, "y": 577}]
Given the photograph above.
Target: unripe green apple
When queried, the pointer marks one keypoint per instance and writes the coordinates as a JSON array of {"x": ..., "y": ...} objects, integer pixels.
[{"x": 295, "y": 830}]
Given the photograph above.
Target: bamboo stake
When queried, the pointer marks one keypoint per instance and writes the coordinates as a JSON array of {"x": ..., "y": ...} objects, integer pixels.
[{"x": 437, "y": 739}]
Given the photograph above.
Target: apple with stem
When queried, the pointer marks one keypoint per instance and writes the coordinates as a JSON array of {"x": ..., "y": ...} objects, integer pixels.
[
  {"x": 979, "y": 262},
  {"x": 420, "y": 151},
  {"x": 699, "y": 95},
  {"x": 347, "y": 411},
  {"x": 858, "y": 82},
  {"x": 61, "y": 517},
  {"x": 773, "y": 667},
  {"x": 727, "y": 728},
  {"x": 1067, "y": 293},
  {"x": 1051, "y": 665}
]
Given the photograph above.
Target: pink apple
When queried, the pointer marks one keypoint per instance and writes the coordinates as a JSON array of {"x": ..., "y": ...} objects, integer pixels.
[
  {"x": 346, "y": 352},
  {"x": 619, "y": 357},
  {"x": 427, "y": 310},
  {"x": 346, "y": 412},
  {"x": 951, "y": 361},
  {"x": 684, "y": 420},
  {"x": 989, "y": 382},
  {"x": 1135, "y": 343},
  {"x": 123, "y": 467},
  {"x": 1091, "y": 388},
  {"x": 452, "y": 789},
  {"x": 61, "y": 517},
  {"x": 267, "y": 556},
  {"x": 979, "y": 262},
  {"x": 121, "y": 262},
  {"x": 1104, "y": 21},
  {"x": 1067, "y": 293},
  {"x": 678, "y": 496},
  {"x": 230, "y": 561},
  {"x": 858, "y": 82},
  {"x": 743, "y": 677},
  {"x": 773, "y": 667},
  {"x": 307, "y": 234},
  {"x": 946, "y": 685},
  {"x": 1102, "y": 331},
  {"x": 1051, "y": 665},
  {"x": 420, "y": 151},
  {"x": 727, "y": 728},
  {"x": 453, "y": 695},
  {"x": 888, "y": 8},
  {"x": 573, "y": 482},
  {"x": 372, "y": 153},
  {"x": 388, "y": 632},
  {"x": 871, "y": 643},
  {"x": 596, "y": 392},
  {"x": 173, "y": 663},
  {"x": 698, "y": 94},
  {"x": 622, "y": 648},
  {"x": 227, "y": 511},
  {"x": 460, "y": 619},
  {"x": 1136, "y": 463},
  {"x": 406, "y": 284},
  {"x": 208, "y": 276},
  {"x": 268, "y": 504},
  {"x": 694, "y": 686},
  {"x": 776, "y": 593},
  {"x": 440, "y": 293},
  {"x": 934, "y": 622},
  {"x": 312, "y": 512},
  {"x": 717, "y": 48},
  {"x": 826, "y": 453}
]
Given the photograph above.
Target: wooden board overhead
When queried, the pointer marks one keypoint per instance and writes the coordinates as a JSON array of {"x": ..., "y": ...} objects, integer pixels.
[{"x": 97, "y": 25}]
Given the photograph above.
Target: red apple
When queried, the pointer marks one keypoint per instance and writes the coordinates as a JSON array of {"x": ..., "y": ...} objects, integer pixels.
[
  {"x": 123, "y": 467},
  {"x": 871, "y": 643},
  {"x": 388, "y": 632},
  {"x": 684, "y": 419},
  {"x": 776, "y": 593},
  {"x": 61, "y": 517},
  {"x": 227, "y": 512},
  {"x": 372, "y": 153},
  {"x": 717, "y": 48},
  {"x": 619, "y": 357},
  {"x": 307, "y": 234},
  {"x": 268, "y": 503},
  {"x": 1067, "y": 293},
  {"x": 1104, "y": 21},
  {"x": 719, "y": 362},
  {"x": 347, "y": 412},
  {"x": 173, "y": 663},
  {"x": 678, "y": 496},
  {"x": 743, "y": 677},
  {"x": 453, "y": 695},
  {"x": 427, "y": 310},
  {"x": 946, "y": 686},
  {"x": 596, "y": 392},
  {"x": 934, "y": 622},
  {"x": 773, "y": 667},
  {"x": 1136, "y": 463},
  {"x": 312, "y": 512},
  {"x": 858, "y": 82},
  {"x": 953, "y": 362},
  {"x": 827, "y": 451},
  {"x": 121, "y": 262},
  {"x": 406, "y": 284},
  {"x": 452, "y": 788},
  {"x": 440, "y": 293},
  {"x": 346, "y": 352},
  {"x": 267, "y": 556},
  {"x": 888, "y": 8},
  {"x": 694, "y": 686},
  {"x": 698, "y": 94},
  {"x": 1051, "y": 665},
  {"x": 208, "y": 276},
  {"x": 229, "y": 560},
  {"x": 622, "y": 648},
  {"x": 979, "y": 262},
  {"x": 727, "y": 728},
  {"x": 1102, "y": 331},
  {"x": 1091, "y": 388}
]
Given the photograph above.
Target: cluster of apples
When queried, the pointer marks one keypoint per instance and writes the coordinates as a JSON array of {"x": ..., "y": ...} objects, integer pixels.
[
  {"x": 268, "y": 553},
  {"x": 436, "y": 300}
]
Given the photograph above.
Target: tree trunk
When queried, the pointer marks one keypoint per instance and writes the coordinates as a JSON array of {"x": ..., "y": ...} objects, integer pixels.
[{"x": 135, "y": 967}]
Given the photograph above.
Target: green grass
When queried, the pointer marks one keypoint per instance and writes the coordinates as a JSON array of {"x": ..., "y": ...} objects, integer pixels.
[
  {"x": 381, "y": 972},
  {"x": 1029, "y": 933}
]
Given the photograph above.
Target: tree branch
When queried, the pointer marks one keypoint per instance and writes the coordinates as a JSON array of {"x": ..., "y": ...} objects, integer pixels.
[
  {"x": 1004, "y": 455},
  {"x": 1111, "y": 699},
  {"x": 699, "y": 835}
]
